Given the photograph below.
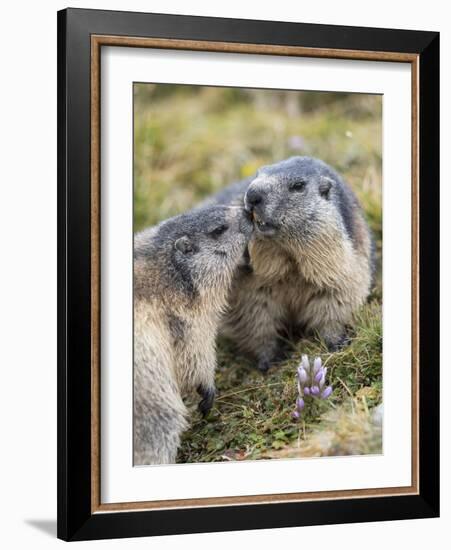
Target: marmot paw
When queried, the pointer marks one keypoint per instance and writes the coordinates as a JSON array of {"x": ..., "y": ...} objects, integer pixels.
[
  {"x": 208, "y": 398},
  {"x": 263, "y": 365},
  {"x": 336, "y": 344}
]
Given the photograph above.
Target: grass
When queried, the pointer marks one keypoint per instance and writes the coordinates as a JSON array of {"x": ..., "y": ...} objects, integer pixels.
[
  {"x": 191, "y": 142},
  {"x": 252, "y": 414}
]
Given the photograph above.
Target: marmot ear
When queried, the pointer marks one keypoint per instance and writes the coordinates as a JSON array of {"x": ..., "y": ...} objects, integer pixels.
[
  {"x": 325, "y": 186},
  {"x": 184, "y": 244}
]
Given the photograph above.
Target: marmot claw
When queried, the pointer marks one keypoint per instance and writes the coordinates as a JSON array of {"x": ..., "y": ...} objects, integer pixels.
[{"x": 208, "y": 397}]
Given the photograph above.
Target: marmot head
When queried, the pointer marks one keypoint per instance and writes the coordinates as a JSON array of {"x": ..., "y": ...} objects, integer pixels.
[
  {"x": 203, "y": 248},
  {"x": 298, "y": 198}
]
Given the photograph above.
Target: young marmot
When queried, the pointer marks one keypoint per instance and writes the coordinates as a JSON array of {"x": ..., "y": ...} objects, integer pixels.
[
  {"x": 311, "y": 257},
  {"x": 183, "y": 270}
]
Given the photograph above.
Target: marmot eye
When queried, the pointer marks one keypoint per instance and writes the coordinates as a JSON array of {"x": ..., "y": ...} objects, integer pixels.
[
  {"x": 219, "y": 231},
  {"x": 297, "y": 185}
]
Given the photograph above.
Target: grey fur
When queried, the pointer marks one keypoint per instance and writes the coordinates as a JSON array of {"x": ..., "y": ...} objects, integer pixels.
[
  {"x": 311, "y": 257},
  {"x": 183, "y": 271},
  {"x": 177, "y": 327}
]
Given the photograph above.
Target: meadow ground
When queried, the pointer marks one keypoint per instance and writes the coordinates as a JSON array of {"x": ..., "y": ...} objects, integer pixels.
[{"x": 192, "y": 141}]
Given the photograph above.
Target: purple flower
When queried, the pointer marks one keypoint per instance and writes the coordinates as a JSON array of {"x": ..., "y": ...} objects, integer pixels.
[
  {"x": 317, "y": 365},
  {"x": 314, "y": 390},
  {"x": 318, "y": 376},
  {"x": 311, "y": 381},
  {"x": 295, "y": 415},
  {"x": 302, "y": 375},
  {"x": 326, "y": 392}
]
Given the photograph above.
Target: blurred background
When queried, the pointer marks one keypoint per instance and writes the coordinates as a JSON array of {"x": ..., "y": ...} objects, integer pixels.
[{"x": 191, "y": 141}]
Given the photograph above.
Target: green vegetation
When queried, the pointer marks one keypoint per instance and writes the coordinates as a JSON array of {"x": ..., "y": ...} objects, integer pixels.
[{"x": 192, "y": 141}]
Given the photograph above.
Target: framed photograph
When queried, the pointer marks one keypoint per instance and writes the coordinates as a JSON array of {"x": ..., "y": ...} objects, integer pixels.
[{"x": 248, "y": 274}]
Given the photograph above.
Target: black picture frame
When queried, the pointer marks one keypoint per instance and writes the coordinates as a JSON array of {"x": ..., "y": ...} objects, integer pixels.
[{"x": 76, "y": 520}]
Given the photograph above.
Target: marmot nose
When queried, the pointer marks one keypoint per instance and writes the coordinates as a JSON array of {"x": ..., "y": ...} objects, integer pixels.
[{"x": 253, "y": 197}]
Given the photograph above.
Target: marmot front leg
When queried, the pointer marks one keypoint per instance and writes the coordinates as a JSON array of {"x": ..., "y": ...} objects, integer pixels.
[
  {"x": 253, "y": 322},
  {"x": 328, "y": 317},
  {"x": 204, "y": 379},
  {"x": 267, "y": 353}
]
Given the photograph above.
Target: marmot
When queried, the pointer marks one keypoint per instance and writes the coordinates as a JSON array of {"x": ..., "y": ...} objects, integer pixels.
[
  {"x": 183, "y": 270},
  {"x": 311, "y": 257}
]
